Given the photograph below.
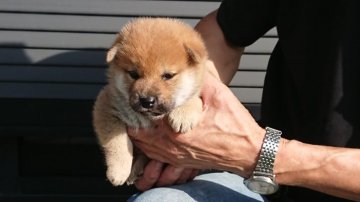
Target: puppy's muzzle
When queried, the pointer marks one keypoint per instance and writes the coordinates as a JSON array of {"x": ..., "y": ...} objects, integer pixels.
[
  {"x": 149, "y": 105},
  {"x": 148, "y": 102}
]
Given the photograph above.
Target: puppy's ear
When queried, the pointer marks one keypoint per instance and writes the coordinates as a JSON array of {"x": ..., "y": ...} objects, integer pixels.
[
  {"x": 111, "y": 54},
  {"x": 194, "y": 54}
]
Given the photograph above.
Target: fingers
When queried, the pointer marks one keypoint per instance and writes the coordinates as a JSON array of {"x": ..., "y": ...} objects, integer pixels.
[
  {"x": 152, "y": 172},
  {"x": 169, "y": 176},
  {"x": 173, "y": 175},
  {"x": 187, "y": 175},
  {"x": 156, "y": 175}
]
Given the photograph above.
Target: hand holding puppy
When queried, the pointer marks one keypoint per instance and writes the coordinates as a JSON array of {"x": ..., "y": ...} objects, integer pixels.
[{"x": 227, "y": 137}]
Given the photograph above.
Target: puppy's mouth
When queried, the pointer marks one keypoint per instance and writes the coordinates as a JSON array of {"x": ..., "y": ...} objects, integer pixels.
[{"x": 153, "y": 113}]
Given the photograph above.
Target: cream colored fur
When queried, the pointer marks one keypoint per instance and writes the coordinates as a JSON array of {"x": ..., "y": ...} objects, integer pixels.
[{"x": 153, "y": 48}]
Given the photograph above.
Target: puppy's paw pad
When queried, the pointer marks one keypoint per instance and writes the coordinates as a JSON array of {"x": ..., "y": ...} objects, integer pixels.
[
  {"x": 181, "y": 123},
  {"x": 116, "y": 176}
]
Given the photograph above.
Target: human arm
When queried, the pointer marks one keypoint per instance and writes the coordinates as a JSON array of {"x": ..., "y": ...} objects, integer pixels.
[
  {"x": 331, "y": 170},
  {"x": 225, "y": 57},
  {"x": 229, "y": 139}
]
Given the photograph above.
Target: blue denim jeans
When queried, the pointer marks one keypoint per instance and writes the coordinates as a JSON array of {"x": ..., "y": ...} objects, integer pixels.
[{"x": 210, "y": 187}]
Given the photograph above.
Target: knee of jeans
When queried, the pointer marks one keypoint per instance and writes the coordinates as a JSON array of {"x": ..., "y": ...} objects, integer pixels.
[{"x": 162, "y": 195}]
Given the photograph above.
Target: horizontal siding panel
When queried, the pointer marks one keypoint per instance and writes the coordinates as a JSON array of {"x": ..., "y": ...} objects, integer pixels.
[
  {"x": 86, "y": 58},
  {"x": 25, "y": 21},
  {"x": 52, "y": 74},
  {"x": 254, "y": 62},
  {"x": 49, "y": 91},
  {"x": 88, "y": 91},
  {"x": 52, "y": 57},
  {"x": 96, "y": 75},
  {"x": 57, "y": 40},
  {"x": 272, "y": 33},
  {"x": 262, "y": 45},
  {"x": 56, "y": 22},
  {"x": 248, "y": 79},
  {"x": 248, "y": 95},
  {"x": 112, "y": 7},
  {"x": 92, "y": 40}
]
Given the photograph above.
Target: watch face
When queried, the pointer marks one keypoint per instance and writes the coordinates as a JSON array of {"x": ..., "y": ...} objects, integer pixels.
[{"x": 261, "y": 185}]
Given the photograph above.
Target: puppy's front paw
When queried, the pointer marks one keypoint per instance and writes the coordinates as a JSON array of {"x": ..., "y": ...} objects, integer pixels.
[
  {"x": 184, "y": 118},
  {"x": 117, "y": 176},
  {"x": 183, "y": 122}
]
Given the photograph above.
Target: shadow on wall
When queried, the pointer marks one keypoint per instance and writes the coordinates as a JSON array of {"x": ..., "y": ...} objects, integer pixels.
[
  {"x": 50, "y": 73},
  {"x": 48, "y": 90},
  {"x": 17, "y": 54}
]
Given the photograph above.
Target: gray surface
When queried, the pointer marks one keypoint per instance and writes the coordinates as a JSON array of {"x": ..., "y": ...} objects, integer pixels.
[
  {"x": 112, "y": 7},
  {"x": 56, "y": 49}
]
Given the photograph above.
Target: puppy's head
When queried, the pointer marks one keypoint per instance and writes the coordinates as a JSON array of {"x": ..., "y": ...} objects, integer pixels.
[{"x": 157, "y": 64}]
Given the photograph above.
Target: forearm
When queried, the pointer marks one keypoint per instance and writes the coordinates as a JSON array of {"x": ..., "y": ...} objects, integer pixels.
[
  {"x": 225, "y": 57},
  {"x": 326, "y": 169}
]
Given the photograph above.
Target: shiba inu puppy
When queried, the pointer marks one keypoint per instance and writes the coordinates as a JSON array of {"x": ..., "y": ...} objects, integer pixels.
[{"x": 156, "y": 69}]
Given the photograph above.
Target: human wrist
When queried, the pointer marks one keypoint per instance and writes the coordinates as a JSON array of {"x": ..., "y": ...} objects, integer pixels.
[
  {"x": 295, "y": 160},
  {"x": 262, "y": 179},
  {"x": 244, "y": 165}
]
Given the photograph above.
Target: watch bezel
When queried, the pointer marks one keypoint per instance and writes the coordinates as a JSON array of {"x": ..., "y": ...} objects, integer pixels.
[{"x": 261, "y": 179}]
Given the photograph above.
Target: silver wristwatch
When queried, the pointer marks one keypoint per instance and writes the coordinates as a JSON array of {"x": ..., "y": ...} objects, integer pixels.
[{"x": 262, "y": 180}]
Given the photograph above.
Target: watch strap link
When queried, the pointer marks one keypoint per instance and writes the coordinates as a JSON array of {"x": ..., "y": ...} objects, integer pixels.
[{"x": 265, "y": 164}]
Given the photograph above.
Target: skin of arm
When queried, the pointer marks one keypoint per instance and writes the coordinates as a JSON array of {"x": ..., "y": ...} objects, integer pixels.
[
  {"x": 225, "y": 57},
  {"x": 228, "y": 138}
]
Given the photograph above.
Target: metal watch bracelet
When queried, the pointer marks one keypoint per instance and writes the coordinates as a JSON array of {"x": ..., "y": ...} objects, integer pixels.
[
  {"x": 265, "y": 164},
  {"x": 262, "y": 180}
]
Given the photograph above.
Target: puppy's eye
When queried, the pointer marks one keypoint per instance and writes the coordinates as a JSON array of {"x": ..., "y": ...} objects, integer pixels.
[
  {"x": 167, "y": 76},
  {"x": 134, "y": 74}
]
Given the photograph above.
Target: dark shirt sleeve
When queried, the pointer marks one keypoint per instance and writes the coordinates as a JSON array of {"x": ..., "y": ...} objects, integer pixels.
[{"x": 245, "y": 21}]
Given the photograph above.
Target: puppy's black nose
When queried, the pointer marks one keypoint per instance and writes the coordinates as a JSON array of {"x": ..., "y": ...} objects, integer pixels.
[{"x": 147, "y": 102}]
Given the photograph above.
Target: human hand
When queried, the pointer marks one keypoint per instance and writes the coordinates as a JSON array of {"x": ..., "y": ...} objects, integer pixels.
[
  {"x": 160, "y": 174},
  {"x": 227, "y": 137}
]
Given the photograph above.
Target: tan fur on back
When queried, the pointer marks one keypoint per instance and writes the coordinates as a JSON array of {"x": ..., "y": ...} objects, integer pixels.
[
  {"x": 153, "y": 41},
  {"x": 158, "y": 58}
]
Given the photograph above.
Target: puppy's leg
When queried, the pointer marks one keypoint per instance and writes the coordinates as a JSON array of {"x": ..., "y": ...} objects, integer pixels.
[
  {"x": 185, "y": 117},
  {"x": 113, "y": 139},
  {"x": 118, "y": 154}
]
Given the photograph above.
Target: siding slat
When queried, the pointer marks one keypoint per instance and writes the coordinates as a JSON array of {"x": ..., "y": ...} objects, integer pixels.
[
  {"x": 112, "y": 7},
  {"x": 91, "y": 40},
  {"x": 88, "y": 91},
  {"x": 49, "y": 91},
  {"x": 248, "y": 95},
  {"x": 91, "y": 58},
  {"x": 254, "y": 62},
  {"x": 52, "y": 57},
  {"x": 53, "y": 74},
  {"x": 56, "y": 22},
  {"x": 26, "y": 21},
  {"x": 248, "y": 79}
]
